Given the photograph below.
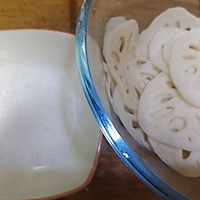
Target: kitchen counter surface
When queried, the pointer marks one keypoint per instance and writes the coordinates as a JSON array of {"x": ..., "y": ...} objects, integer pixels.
[{"x": 112, "y": 180}]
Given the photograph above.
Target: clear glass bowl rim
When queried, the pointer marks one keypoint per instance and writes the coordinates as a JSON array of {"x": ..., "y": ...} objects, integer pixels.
[{"x": 105, "y": 124}]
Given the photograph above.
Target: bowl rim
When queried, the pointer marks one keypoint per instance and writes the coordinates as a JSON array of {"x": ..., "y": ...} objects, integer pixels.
[{"x": 105, "y": 124}]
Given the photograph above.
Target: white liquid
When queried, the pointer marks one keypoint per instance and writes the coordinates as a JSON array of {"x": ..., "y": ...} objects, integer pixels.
[{"x": 48, "y": 136}]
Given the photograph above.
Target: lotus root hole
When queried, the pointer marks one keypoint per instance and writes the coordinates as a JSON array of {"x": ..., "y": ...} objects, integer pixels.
[
  {"x": 191, "y": 70},
  {"x": 194, "y": 47},
  {"x": 140, "y": 63},
  {"x": 188, "y": 29},
  {"x": 121, "y": 44},
  {"x": 189, "y": 57},
  {"x": 129, "y": 42},
  {"x": 116, "y": 67},
  {"x": 177, "y": 124},
  {"x": 129, "y": 110},
  {"x": 147, "y": 76},
  {"x": 127, "y": 87},
  {"x": 104, "y": 59},
  {"x": 135, "y": 124},
  {"x": 113, "y": 85},
  {"x": 115, "y": 56},
  {"x": 146, "y": 139},
  {"x": 162, "y": 112},
  {"x": 105, "y": 76},
  {"x": 165, "y": 98},
  {"x": 185, "y": 154},
  {"x": 137, "y": 93},
  {"x": 178, "y": 24}
]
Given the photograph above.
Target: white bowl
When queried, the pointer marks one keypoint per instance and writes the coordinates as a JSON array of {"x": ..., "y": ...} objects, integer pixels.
[{"x": 50, "y": 142}]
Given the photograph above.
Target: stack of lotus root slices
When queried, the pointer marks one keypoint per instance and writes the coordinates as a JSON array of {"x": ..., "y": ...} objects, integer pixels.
[{"x": 153, "y": 84}]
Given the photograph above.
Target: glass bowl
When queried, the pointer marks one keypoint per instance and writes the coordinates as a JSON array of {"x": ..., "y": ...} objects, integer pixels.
[{"x": 93, "y": 17}]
